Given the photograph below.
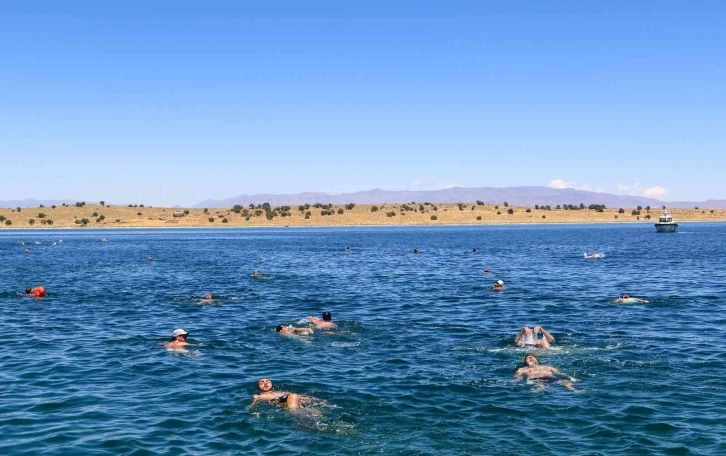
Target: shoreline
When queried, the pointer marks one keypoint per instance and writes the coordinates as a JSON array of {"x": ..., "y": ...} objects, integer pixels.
[{"x": 346, "y": 216}]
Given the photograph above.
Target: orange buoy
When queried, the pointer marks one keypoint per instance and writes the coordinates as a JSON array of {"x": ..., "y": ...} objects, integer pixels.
[{"x": 39, "y": 292}]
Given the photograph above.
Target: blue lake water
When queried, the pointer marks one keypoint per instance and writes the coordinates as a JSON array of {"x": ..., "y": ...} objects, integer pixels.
[{"x": 422, "y": 361}]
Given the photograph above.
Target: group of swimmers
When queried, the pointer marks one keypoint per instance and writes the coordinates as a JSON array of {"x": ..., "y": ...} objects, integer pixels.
[{"x": 267, "y": 393}]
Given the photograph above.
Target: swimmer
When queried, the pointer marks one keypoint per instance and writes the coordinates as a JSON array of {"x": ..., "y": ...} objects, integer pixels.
[
  {"x": 37, "y": 292},
  {"x": 528, "y": 337},
  {"x": 543, "y": 375},
  {"x": 347, "y": 249},
  {"x": 256, "y": 274},
  {"x": 36, "y": 242},
  {"x": 27, "y": 251},
  {"x": 486, "y": 271},
  {"x": 293, "y": 331},
  {"x": 475, "y": 250},
  {"x": 325, "y": 323},
  {"x": 625, "y": 299},
  {"x": 208, "y": 299},
  {"x": 178, "y": 340},
  {"x": 149, "y": 259},
  {"x": 104, "y": 240},
  {"x": 499, "y": 285},
  {"x": 416, "y": 252},
  {"x": 21, "y": 242},
  {"x": 53, "y": 243},
  {"x": 593, "y": 256},
  {"x": 269, "y": 394}
]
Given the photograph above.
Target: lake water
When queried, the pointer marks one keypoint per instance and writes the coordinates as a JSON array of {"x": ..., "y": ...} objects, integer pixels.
[{"x": 422, "y": 361}]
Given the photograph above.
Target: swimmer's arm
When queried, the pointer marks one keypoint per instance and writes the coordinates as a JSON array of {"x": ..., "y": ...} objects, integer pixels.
[
  {"x": 255, "y": 400},
  {"x": 547, "y": 334},
  {"x": 519, "y": 373}
]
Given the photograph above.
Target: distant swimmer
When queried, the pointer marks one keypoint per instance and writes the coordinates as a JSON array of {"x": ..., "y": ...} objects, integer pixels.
[
  {"x": 499, "y": 285},
  {"x": 104, "y": 240},
  {"x": 178, "y": 339},
  {"x": 416, "y": 252},
  {"x": 475, "y": 250},
  {"x": 36, "y": 242},
  {"x": 256, "y": 274},
  {"x": 208, "y": 299},
  {"x": 149, "y": 259},
  {"x": 625, "y": 299},
  {"x": 268, "y": 393},
  {"x": 486, "y": 271},
  {"x": 21, "y": 242},
  {"x": 37, "y": 292},
  {"x": 593, "y": 256},
  {"x": 325, "y": 323},
  {"x": 290, "y": 330},
  {"x": 347, "y": 249},
  {"x": 53, "y": 243},
  {"x": 530, "y": 337},
  {"x": 27, "y": 251},
  {"x": 542, "y": 375}
]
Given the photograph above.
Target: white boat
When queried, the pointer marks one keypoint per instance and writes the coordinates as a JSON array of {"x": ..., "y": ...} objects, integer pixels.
[{"x": 665, "y": 223}]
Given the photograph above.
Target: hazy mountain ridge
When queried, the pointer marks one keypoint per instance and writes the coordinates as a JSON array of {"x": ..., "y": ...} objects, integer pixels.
[
  {"x": 31, "y": 202},
  {"x": 516, "y": 196}
]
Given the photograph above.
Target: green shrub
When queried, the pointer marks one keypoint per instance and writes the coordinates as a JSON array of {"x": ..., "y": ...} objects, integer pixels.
[
  {"x": 374, "y": 208},
  {"x": 31, "y": 221},
  {"x": 48, "y": 221},
  {"x": 2, "y": 218},
  {"x": 510, "y": 211},
  {"x": 224, "y": 220},
  {"x": 41, "y": 215},
  {"x": 118, "y": 220},
  {"x": 506, "y": 204},
  {"x": 528, "y": 210},
  {"x": 544, "y": 216},
  {"x": 95, "y": 214},
  {"x": 206, "y": 211},
  {"x": 479, "y": 217},
  {"x": 8, "y": 222},
  {"x": 621, "y": 211},
  {"x": 390, "y": 214},
  {"x": 340, "y": 211},
  {"x": 103, "y": 203},
  {"x": 53, "y": 206},
  {"x": 186, "y": 211},
  {"x": 307, "y": 215},
  {"x": 499, "y": 213},
  {"x": 350, "y": 206},
  {"x": 211, "y": 219},
  {"x": 139, "y": 213},
  {"x": 433, "y": 217},
  {"x": 18, "y": 209}
]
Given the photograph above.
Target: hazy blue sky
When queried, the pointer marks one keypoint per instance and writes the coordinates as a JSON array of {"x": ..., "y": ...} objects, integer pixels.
[{"x": 175, "y": 102}]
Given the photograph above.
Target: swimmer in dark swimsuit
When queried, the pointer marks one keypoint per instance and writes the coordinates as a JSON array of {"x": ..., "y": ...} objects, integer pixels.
[
  {"x": 282, "y": 398},
  {"x": 532, "y": 370}
]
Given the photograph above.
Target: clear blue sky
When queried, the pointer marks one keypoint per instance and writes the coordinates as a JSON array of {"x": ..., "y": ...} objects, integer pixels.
[{"x": 169, "y": 103}]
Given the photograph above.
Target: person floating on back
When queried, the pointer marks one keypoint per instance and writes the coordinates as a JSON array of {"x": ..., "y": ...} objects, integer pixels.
[
  {"x": 256, "y": 274},
  {"x": 290, "y": 330},
  {"x": 268, "y": 393},
  {"x": 325, "y": 323},
  {"x": 541, "y": 375},
  {"x": 626, "y": 299}
]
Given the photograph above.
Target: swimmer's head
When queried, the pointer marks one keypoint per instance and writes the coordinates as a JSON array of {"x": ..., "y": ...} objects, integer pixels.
[
  {"x": 179, "y": 334},
  {"x": 625, "y": 296},
  {"x": 264, "y": 384},
  {"x": 530, "y": 361},
  {"x": 500, "y": 282},
  {"x": 28, "y": 290},
  {"x": 327, "y": 316},
  {"x": 280, "y": 328},
  {"x": 208, "y": 296},
  {"x": 486, "y": 271}
]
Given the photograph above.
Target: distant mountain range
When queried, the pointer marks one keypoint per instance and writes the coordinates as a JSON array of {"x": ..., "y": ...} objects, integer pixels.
[
  {"x": 33, "y": 203},
  {"x": 516, "y": 196}
]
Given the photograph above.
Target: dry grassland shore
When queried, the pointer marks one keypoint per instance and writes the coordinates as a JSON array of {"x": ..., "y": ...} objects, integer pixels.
[{"x": 103, "y": 216}]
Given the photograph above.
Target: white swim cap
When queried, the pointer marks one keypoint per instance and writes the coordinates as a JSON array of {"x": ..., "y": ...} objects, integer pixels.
[{"x": 500, "y": 282}]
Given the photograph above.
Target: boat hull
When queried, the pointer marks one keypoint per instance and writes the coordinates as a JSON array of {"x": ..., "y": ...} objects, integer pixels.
[{"x": 666, "y": 227}]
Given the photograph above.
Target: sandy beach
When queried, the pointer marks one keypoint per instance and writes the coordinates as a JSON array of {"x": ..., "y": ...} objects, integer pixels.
[{"x": 98, "y": 216}]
